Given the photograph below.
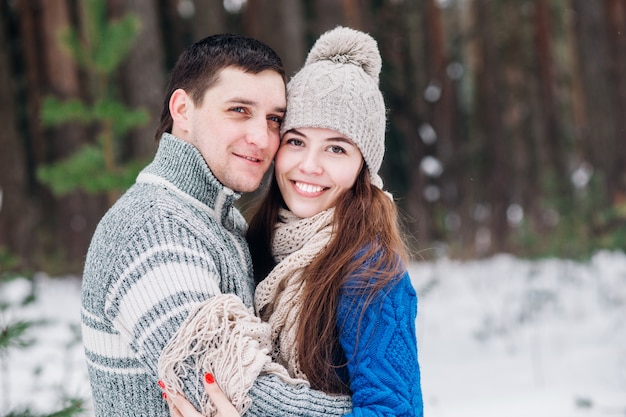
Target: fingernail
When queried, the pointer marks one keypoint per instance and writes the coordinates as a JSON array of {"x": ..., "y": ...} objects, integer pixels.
[
  {"x": 164, "y": 396},
  {"x": 161, "y": 384},
  {"x": 209, "y": 378}
]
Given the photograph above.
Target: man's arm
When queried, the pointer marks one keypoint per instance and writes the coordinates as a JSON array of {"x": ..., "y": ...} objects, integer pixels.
[
  {"x": 265, "y": 403},
  {"x": 273, "y": 397},
  {"x": 223, "y": 337},
  {"x": 157, "y": 287}
]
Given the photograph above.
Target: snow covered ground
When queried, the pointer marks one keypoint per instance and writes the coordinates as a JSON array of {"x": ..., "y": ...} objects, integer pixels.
[{"x": 497, "y": 337}]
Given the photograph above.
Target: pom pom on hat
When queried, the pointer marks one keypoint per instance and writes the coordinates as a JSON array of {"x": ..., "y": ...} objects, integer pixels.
[
  {"x": 348, "y": 46},
  {"x": 338, "y": 89}
]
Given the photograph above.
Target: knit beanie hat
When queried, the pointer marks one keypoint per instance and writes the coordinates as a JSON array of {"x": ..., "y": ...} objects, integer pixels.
[{"x": 338, "y": 89}]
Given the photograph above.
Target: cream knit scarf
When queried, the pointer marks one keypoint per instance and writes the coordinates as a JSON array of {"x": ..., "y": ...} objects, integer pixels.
[
  {"x": 225, "y": 338},
  {"x": 277, "y": 298}
]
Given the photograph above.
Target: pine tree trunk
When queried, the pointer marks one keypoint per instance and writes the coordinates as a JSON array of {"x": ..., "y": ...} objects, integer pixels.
[
  {"x": 616, "y": 40},
  {"x": 551, "y": 133},
  {"x": 143, "y": 76},
  {"x": 72, "y": 218},
  {"x": 599, "y": 131},
  {"x": 17, "y": 216},
  {"x": 209, "y": 18},
  {"x": 490, "y": 105},
  {"x": 327, "y": 14},
  {"x": 283, "y": 30},
  {"x": 405, "y": 55}
]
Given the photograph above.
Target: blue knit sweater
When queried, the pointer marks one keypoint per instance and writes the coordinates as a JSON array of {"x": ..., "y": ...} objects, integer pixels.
[
  {"x": 172, "y": 241},
  {"x": 381, "y": 347}
]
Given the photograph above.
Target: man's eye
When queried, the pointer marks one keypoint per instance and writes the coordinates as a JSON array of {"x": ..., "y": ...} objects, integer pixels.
[
  {"x": 238, "y": 109},
  {"x": 274, "y": 122}
]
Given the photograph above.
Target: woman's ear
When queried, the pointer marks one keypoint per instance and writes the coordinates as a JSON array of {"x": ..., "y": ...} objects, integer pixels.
[{"x": 180, "y": 107}]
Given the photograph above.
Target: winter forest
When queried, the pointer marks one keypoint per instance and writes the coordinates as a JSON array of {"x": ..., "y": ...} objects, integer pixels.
[
  {"x": 506, "y": 154},
  {"x": 505, "y": 118}
]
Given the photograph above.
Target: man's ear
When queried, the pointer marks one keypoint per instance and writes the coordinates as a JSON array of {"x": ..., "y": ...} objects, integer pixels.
[{"x": 180, "y": 106}]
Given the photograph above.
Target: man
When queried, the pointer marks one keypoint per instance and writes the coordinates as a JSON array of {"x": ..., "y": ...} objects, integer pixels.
[{"x": 175, "y": 239}]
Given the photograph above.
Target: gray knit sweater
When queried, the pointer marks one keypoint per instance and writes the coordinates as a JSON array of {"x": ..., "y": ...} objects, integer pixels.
[{"x": 173, "y": 240}]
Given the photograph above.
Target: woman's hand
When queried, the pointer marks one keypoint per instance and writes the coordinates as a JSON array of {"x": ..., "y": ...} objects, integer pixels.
[
  {"x": 180, "y": 407},
  {"x": 223, "y": 405}
]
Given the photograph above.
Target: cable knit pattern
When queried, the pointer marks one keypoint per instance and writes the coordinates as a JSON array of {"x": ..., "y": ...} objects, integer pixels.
[
  {"x": 382, "y": 350},
  {"x": 170, "y": 243}
]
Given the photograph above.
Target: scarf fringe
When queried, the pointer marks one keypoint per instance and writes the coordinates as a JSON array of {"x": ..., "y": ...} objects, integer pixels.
[{"x": 223, "y": 337}]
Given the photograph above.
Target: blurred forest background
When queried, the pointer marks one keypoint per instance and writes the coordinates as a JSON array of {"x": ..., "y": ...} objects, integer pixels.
[{"x": 506, "y": 125}]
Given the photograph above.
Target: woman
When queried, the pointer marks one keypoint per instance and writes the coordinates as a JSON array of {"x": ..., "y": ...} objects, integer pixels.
[{"x": 327, "y": 252}]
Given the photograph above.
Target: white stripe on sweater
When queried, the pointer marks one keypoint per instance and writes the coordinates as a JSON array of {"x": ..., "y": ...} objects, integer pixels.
[
  {"x": 159, "y": 285},
  {"x": 141, "y": 260},
  {"x": 106, "y": 344}
]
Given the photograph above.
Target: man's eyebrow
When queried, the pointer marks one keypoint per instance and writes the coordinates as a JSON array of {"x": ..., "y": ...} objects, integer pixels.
[
  {"x": 239, "y": 100},
  {"x": 280, "y": 110},
  {"x": 248, "y": 102}
]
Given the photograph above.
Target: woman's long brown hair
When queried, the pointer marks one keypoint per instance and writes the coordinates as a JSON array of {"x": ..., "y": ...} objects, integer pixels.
[{"x": 366, "y": 237}]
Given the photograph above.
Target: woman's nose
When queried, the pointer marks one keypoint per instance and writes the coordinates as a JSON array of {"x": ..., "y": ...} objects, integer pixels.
[{"x": 310, "y": 163}]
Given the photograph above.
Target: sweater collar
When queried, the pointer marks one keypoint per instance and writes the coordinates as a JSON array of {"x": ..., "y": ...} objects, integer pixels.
[{"x": 181, "y": 165}]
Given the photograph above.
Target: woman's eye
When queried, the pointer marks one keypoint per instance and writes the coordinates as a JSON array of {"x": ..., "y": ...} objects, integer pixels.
[
  {"x": 336, "y": 149},
  {"x": 294, "y": 142}
]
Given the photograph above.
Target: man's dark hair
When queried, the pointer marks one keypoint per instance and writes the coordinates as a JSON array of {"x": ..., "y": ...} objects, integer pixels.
[{"x": 198, "y": 68}]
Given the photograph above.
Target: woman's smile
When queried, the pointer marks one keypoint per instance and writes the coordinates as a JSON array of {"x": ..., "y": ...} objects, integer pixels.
[{"x": 306, "y": 188}]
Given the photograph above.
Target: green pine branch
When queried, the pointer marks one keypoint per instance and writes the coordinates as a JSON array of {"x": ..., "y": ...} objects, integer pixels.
[{"x": 99, "y": 50}]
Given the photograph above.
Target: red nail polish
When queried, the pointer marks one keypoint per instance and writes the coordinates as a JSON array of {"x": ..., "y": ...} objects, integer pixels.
[
  {"x": 164, "y": 396},
  {"x": 209, "y": 378},
  {"x": 161, "y": 384}
]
